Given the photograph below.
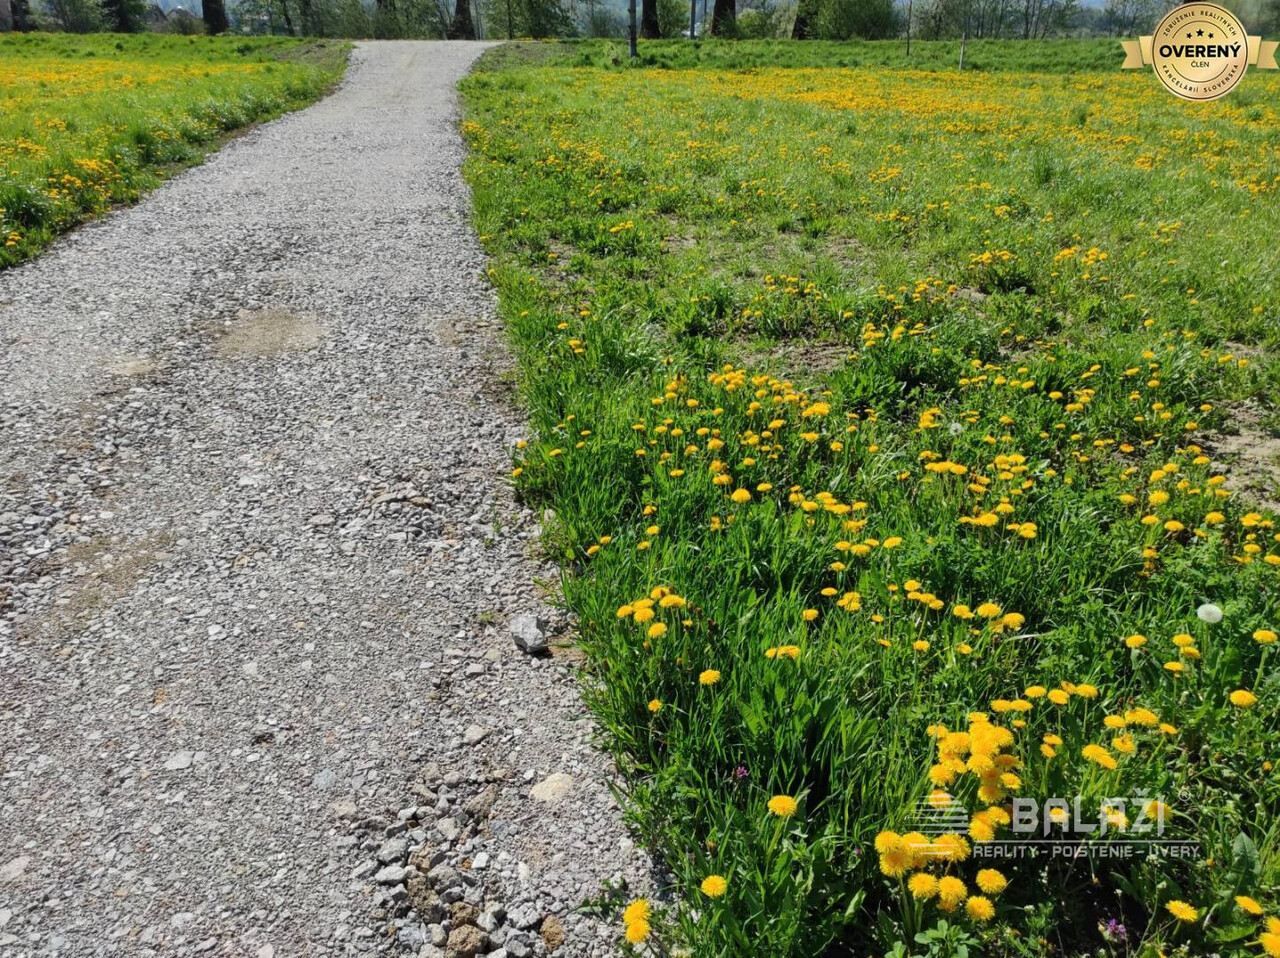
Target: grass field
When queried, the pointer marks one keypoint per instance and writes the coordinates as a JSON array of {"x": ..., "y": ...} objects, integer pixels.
[
  {"x": 87, "y": 123},
  {"x": 884, "y": 415},
  {"x": 1000, "y": 56}
]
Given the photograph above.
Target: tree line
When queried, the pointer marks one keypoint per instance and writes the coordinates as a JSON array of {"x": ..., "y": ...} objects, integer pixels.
[{"x": 498, "y": 19}]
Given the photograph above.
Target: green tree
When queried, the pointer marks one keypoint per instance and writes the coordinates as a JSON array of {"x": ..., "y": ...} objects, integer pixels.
[
  {"x": 125, "y": 16},
  {"x": 75, "y": 16},
  {"x": 806, "y": 23},
  {"x": 673, "y": 18},
  {"x": 864, "y": 19}
]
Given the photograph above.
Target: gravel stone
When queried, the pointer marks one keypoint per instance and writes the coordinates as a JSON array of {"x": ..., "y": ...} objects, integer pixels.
[
  {"x": 529, "y": 633},
  {"x": 179, "y": 761},
  {"x": 254, "y": 523},
  {"x": 391, "y": 875},
  {"x": 393, "y": 850},
  {"x": 465, "y": 941},
  {"x": 553, "y": 788},
  {"x": 553, "y": 933}
]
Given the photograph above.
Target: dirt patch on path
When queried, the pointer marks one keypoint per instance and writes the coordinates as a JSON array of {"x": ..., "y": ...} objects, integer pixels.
[{"x": 269, "y": 332}]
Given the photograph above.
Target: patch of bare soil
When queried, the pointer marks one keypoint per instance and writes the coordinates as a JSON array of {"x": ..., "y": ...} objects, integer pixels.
[
  {"x": 799, "y": 359},
  {"x": 132, "y": 367},
  {"x": 268, "y": 332},
  {"x": 104, "y": 571},
  {"x": 1251, "y": 456}
]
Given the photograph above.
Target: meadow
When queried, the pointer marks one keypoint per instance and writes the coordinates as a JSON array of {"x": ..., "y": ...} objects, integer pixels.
[
  {"x": 906, "y": 433},
  {"x": 1002, "y": 56},
  {"x": 91, "y": 122}
]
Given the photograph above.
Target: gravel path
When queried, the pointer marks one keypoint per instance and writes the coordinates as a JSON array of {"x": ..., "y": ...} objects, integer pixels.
[{"x": 258, "y": 567}]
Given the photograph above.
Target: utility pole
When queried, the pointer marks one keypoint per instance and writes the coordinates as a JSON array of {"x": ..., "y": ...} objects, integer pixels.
[{"x": 631, "y": 36}]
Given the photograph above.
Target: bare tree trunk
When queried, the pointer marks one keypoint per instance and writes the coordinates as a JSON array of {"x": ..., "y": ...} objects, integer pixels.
[
  {"x": 649, "y": 28},
  {"x": 509, "y": 22},
  {"x": 215, "y": 17},
  {"x": 463, "y": 28},
  {"x": 631, "y": 29},
  {"x": 908, "y": 29},
  {"x": 6, "y": 16},
  {"x": 803, "y": 27},
  {"x": 724, "y": 18}
]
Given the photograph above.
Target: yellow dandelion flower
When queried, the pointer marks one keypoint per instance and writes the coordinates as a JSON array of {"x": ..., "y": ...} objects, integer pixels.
[
  {"x": 638, "y": 931},
  {"x": 979, "y": 908},
  {"x": 922, "y": 886},
  {"x": 991, "y": 881},
  {"x": 784, "y": 806},
  {"x": 951, "y": 892},
  {"x": 1248, "y": 905},
  {"x": 714, "y": 886},
  {"x": 1099, "y": 756}
]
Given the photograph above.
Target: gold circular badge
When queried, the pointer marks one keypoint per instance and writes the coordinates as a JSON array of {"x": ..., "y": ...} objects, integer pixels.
[{"x": 1200, "y": 51}]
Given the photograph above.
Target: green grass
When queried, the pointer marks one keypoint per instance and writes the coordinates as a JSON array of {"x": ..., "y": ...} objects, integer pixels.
[
  {"x": 890, "y": 397},
  {"x": 90, "y": 122},
  {"x": 995, "y": 56}
]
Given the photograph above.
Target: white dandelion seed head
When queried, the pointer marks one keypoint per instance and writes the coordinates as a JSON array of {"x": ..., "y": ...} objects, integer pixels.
[
  {"x": 1209, "y": 613},
  {"x": 955, "y": 429}
]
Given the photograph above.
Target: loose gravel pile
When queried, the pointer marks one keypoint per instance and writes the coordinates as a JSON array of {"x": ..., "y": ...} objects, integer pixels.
[{"x": 262, "y": 582}]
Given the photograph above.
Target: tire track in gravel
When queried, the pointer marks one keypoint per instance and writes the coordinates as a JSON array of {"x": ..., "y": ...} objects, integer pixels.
[{"x": 257, "y": 557}]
